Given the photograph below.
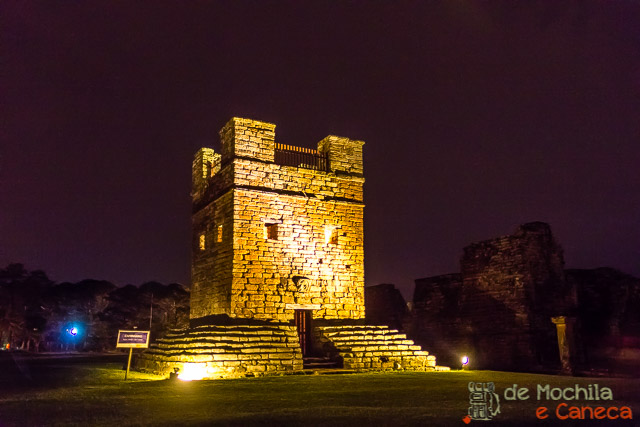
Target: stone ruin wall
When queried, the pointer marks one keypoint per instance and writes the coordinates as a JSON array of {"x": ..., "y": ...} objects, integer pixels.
[
  {"x": 609, "y": 318},
  {"x": 318, "y": 256},
  {"x": 512, "y": 285},
  {"x": 436, "y": 317},
  {"x": 498, "y": 309},
  {"x": 385, "y": 305}
]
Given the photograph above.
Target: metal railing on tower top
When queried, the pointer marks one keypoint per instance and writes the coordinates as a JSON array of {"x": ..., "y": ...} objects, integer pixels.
[{"x": 289, "y": 155}]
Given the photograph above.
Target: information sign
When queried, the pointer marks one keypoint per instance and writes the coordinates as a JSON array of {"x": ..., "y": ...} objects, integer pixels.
[{"x": 133, "y": 339}]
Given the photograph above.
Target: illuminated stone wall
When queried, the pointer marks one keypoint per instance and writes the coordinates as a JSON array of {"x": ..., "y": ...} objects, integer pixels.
[{"x": 269, "y": 238}]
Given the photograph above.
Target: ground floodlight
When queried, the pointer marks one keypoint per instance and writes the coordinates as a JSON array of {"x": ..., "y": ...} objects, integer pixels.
[
  {"x": 193, "y": 371},
  {"x": 465, "y": 361}
]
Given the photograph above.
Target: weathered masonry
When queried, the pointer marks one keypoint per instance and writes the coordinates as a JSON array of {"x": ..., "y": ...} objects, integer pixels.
[
  {"x": 278, "y": 263},
  {"x": 277, "y": 228},
  {"x": 498, "y": 309}
]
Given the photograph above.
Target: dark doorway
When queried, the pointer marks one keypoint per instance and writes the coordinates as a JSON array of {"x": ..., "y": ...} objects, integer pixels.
[{"x": 303, "y": 325}]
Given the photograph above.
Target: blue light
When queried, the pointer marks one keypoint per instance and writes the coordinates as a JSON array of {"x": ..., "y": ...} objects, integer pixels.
[{"x": 72, "y": 331}]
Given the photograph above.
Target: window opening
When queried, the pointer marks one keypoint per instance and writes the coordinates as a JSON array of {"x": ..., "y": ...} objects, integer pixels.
[
  {"x": 331, "y": 235},
  {"x": 271, "y": 231}
]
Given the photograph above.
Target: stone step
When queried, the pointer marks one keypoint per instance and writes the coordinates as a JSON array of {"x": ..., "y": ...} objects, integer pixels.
[
  {"x": 412, "y": 348},
  {"x": 374, "y": 342},
  {"x": 231, "y": 329},
  {"x": 360, "y": 332},
  {"x": 389, "y": 357},
  {"x": 207, "y": 357},
  {"x": 230, "y": 338},
  {"x": 320, "y": 363},
  {"x": 223, "y": 341},
  {"x": 226, "y": 351},
  {"x": 231, "y": 348},
  {"x": 354, "y": 327},
  {"x": 360, "y": 337},
  {"x": 397, "y": 354},
  {"x": 285, "y": 354},
  {"x": 379, "y": 353},
  {"x": 373, "y": 347},
  {"x": 274, "y": 327},
  {"x": 233, "y": 333}
]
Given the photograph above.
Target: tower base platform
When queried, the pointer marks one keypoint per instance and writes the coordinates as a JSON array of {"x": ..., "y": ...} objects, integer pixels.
[{"x": 239, "y": 350}]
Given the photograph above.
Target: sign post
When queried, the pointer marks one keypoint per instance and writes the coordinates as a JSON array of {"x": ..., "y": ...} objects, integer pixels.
[
  {"x": 126, "y": 374},
  {"x": 131, "y": 340}
]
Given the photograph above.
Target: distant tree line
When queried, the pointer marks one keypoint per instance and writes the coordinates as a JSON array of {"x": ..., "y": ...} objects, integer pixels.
[{"x": 37, "y": 314}]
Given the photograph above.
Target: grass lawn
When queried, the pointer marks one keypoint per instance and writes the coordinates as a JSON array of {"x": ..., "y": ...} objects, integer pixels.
[{"x": 91, "y": 391}]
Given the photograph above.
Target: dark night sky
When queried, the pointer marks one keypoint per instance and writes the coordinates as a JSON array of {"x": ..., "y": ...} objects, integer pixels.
[{"x": 477, "y": 116}]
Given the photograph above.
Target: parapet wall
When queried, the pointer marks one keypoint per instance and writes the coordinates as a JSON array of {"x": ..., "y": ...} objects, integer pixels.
[{"x": 248, "y": 138}]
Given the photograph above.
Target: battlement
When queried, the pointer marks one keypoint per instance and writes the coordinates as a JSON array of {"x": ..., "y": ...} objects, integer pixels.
[
  {"x": 251, "y": 157},
  {"x": 252, "y": 139},
  {"x": 248, "y": 138}
]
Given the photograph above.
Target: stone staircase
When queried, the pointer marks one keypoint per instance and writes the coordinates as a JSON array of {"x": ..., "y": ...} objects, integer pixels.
[
  {"x": 376, "y": 348},
  {"x": 320, "y": 363},
  {"x": 225, "y": 351}
]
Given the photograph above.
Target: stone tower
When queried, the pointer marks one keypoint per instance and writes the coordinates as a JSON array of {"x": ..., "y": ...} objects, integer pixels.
[
  {"x": 277, "y": 243},
  {"x": 277, "y": 229}
]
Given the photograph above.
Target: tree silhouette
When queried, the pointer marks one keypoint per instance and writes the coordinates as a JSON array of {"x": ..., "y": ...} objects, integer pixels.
[{"x": 37, "y": 314}]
